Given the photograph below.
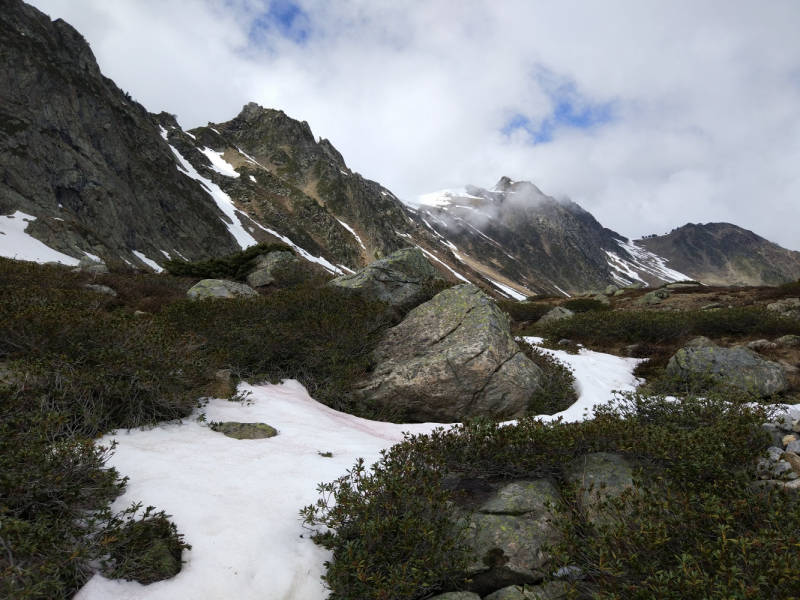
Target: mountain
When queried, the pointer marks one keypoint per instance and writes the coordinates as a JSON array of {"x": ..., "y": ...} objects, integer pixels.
[
  {"x": 88, "y": 170},
  {"x": 724, "y": 254},
  {"x": 87, "y": 161},
  {"x": 547, "y": 245}
]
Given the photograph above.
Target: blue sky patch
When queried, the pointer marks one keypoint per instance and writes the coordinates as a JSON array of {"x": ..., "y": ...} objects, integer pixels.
[
  {"x": 284, "y": 17},
  {"x": 570, "y": 110}
]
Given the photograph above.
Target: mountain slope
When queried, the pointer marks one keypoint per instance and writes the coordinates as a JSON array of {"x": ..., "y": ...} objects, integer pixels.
[
  {"x": 85, "y": 159},
  {"x": 724, "y": 254}
]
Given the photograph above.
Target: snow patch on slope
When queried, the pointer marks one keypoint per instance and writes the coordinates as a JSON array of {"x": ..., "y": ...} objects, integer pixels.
[
  {"x": 643, "y": 261},
  {"x": 150, "y": 263},
  {"x": 307, "y": 255},
  {"x": 219, "y": 164},
  {"x": 15, "y": 243},
  {"x": 224, "y": 202},
  {"x": 353, "y": 231}
]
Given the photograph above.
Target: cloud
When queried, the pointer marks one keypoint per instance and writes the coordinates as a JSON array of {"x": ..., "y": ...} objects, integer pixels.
[{"x": 649, "y": 115}]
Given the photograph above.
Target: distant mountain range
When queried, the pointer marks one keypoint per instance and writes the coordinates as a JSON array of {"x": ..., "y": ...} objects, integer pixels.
[{"x": 95, "y": 173}]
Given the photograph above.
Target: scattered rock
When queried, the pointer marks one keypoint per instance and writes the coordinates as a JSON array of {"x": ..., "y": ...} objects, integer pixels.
[
  {"x": 611, "y": 289},
  {"x": 788, "y": 340},
  {"x": 654, "y": 297},
  {"x": 89, "y": 262},
  {"x": 603, "y": 299},
  {"x": 565, "y": 342},
  {"x": 246, "y": 431},
  {"x": 101, "y": 289},
  {"x": 450, "y": 358},
  {"x": 509, "y": 531},
  {"x": 774, "y": 433},
  {"x": 713, "y": 306},
  {"x": 788, "y": 439},
  {"x": 219, "y": 288},
  {"x": 793, "y": 459},
  {"x": 679, "y": 285},
  {"x": 549, "y": 591},
  {"x": 556, "y": 314},
  {"x": 787, "y": 306},
  {"x": 90, "y": 265},
  {"x": 398, "y": 279},
  {"x": 268, "y": 267},
  {"x": 793, "y": 446},
  {"x": 761, "y": 345},
  {"x": 619, "y": 292},
  {"x": 701, "y": 342},
  {"x": 738, "y": 367},
  {"x": 605, "y": 473}
]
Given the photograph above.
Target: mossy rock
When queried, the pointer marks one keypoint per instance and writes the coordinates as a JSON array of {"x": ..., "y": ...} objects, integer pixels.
[
  {"x": 219, "y": 288},
  {"x": 246, "y": 431}
]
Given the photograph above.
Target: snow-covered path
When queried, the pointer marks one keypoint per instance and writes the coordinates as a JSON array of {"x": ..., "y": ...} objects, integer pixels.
[{"x": 237, "y": 501}]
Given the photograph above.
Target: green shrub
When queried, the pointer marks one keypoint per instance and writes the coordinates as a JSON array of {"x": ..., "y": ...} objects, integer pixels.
[
  {"x": 524, "y": 311},
  {"x": 557, "y": 391},
  {"x": 55, "y": 516},
  {"x": 659, "y": 327},
  {"x": 392, "y": 530},
  {"x": 313, "y": 333},
  {"x": 791, "y": 287},
  {"x": 234, "y": 266},
  {"x": 691, "y": 500},
  {"x": 582, "y": 305}
]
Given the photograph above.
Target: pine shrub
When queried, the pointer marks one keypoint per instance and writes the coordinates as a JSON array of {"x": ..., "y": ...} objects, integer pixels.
[{"x": 233, "y": 266}]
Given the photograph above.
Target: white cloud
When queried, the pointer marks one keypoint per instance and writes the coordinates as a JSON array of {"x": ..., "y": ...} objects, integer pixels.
[{"x": 704, "y": 95}]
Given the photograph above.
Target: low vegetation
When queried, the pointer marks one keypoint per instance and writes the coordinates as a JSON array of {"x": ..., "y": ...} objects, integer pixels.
[
  {"x": 557, "y": 391},
  {"x": 233, "y": 266},
  {"x": 690, "y": 528}
]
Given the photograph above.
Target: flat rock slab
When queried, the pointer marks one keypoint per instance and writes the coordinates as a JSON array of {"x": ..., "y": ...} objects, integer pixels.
[
  {"x": 219, "y": 288},
  {"x": 738, "y": 367},
  {"x": 599, "y": 475},
  {"x": 398, "y": 279},
  {"x": 246, "y": 431},
  {"x": 452, "y": 357}
]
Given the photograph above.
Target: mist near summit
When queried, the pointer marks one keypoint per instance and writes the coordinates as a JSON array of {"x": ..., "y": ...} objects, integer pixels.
[{"x": 648, "y": 115}]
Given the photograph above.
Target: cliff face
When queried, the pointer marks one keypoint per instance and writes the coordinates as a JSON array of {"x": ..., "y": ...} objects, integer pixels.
[
  {"x": 724, "y": 254},
  {"x": 85, "y": 159}
]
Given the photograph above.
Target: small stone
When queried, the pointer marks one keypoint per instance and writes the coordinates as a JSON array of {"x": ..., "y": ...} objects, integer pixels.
[
  {"x": 713, "y": 306},
  {"x": 793, "y": 459},
  {"x": 796, "y": 426},
  {"x": 761, "y": 345},
  {"x": 788, "y": 340},
  {"x": 101, "y": 289},
  {"x": 784, "y": 421},
  {"x": 793, "y": 447},
  {"x": 788, "y": 439},
  {"x": 565, "y": 342},
  {"x": 780, "y": 469},
  {"x": 774, "y": 453},
  {"x": 556, "y": 314},
  {"x": 774, "y": 432},
  {"x": 246, "y": 431}
]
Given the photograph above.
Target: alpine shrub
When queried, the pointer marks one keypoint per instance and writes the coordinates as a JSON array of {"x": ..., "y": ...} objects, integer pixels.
[
  {"x": 234, "y": 266},
  {"x": 557, "y": 383}
]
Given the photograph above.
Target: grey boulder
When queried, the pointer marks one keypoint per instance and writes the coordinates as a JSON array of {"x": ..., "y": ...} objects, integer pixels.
[
  {"x": 269, "y": 266},
  {"x": 737, "y": 367},
  {"x": 450, "y": 358},
  {"x": 788, "y": 341},
  {"x": 219, "y": 288},
  {"x": 101, "y": 289},
  {"x": 556, "y": 314},
  {"x": 654, "y": 297},
  {"x": 398, "y": 279},
  {"x": 507, "y": 535},
  {"x": 457, "y": 596},
  {"x": 549, "y": 591},
  {"x": 246, "y": 431}
]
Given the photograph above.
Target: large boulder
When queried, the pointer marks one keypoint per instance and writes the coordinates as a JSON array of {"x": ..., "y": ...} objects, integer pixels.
[
  {"x": 219, "y": 288},
  {"x": 654, "y": 297},
  {"x": 556, "y": 314},
  {"x": 737, "y": 367},
  {"x": 507, "y": 534},
  {"x": 398, "y": 279},
  {"x": 452, "y": 357},
  {"x": 554, "y": 590},
  {"x": 270, "y": 267}
]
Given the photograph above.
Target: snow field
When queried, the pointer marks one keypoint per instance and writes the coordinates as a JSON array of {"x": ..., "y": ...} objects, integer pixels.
[
  {"x": 15, "y": 243},
  {"x": 237, "y": 501}
]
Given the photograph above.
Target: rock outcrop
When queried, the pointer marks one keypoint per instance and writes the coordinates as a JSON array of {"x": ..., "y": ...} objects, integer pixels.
[
  {"x": 399, "y": 279},
  {"x": 87, "y": 160},
  {"x": 452, "y": 357},
  {"x": 219, "y": 288},
  {"x": 737, "y": 367}
]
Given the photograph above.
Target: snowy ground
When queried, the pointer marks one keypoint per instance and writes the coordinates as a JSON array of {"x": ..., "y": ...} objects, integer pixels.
[{"x": 237, "y": 501}]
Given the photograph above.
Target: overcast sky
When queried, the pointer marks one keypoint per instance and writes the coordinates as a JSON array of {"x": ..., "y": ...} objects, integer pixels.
[{"x": 648, "y": 114}]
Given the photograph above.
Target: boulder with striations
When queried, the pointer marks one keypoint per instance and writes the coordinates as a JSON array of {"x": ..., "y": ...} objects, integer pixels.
[
  {"x": 452, "y": 357},
  {"x": 398, "y": 279}
]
